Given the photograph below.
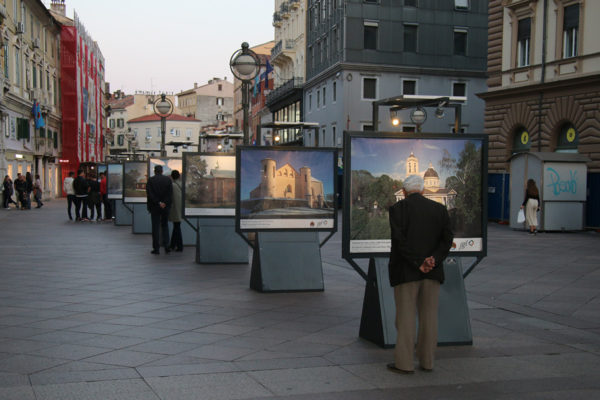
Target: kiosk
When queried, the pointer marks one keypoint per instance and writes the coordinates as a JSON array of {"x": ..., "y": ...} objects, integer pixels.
[{"x": 562, "y": 181}]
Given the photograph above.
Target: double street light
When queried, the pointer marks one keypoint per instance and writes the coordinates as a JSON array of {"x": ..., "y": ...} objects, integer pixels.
[
  {"x": 163, "y": 107},
  {"x": 245, "y": 66}
]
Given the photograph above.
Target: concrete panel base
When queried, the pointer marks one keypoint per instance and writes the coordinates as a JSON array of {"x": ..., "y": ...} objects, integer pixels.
[
  {"x": 286, "y": 262},
  {"x": 218, "y": 243},
  {"x": 122, "y": 213},
  {"x": 379, "y": 310}
]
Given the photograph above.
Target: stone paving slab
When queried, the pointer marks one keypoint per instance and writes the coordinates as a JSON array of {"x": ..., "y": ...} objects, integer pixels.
[{"x": 86, "y": 312}]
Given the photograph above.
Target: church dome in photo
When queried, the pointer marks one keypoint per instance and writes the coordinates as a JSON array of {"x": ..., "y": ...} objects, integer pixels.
[{"x": 430, "y": 173}]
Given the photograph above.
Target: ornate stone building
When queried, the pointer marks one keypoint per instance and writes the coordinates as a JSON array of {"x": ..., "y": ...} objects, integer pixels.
[
  {"x": 287, "y": 183},
  {"x": 543, "y": 89},
  {"x": 432, "y": 189},
  {"x": 544, "y": 79}
]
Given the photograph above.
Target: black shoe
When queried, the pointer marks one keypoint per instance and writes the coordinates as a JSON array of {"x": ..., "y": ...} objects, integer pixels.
[
  {"x": 179, "y": 249},
  {"x": 392, "y": 367},
  {"x": 167, "y": 250},
  {"x": 426, "y": 369},
  {"x": 155, "y": 252}
]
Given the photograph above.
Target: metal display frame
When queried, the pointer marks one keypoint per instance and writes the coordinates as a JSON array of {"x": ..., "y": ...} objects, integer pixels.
[
  {"x": 138, "y": 200},
  {"x": 332, "y": 150},
  {"x": 114, "y": 196},
  {"x": 379, "y": 311},
  {"x": 346, "y": 212},
  {"x": 229, "y": 212}
]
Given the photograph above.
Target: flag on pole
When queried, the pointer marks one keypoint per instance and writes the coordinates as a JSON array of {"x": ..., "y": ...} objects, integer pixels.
[
  {"x": 37, "y": 115},
  {"x": 266, "y": 74},
  {"x": 256, "y": 87}
]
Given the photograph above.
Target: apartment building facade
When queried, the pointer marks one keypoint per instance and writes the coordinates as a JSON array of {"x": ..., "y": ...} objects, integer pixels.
[
  {"x": 544, "y": 87},
  {"x": 359, "y": 51},
  {"x": 29, "y": 75}
]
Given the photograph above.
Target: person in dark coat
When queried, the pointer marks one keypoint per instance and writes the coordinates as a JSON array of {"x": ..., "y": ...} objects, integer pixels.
[
  {"x": 94, "y": 200},
  {"x": 20, "y": 188},
  {"x": 175, "y": 213},
  {"x": 159, "y": 192},
  {"x": 81, "y": 188},
  {"x": 421, "y": 240},
  {"x": 28, "y": 189},
  {"x": 7, "y": 191}
]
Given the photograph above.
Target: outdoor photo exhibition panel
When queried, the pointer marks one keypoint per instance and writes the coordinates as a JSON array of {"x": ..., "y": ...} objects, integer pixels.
[
  {"x": 454, "y": 168},
  {"x": 168, "y": 165},
  {"x": 285, "y": 188},
  {"x": 135, "y": 176},
  {"x": 114, "y": 181},
  {"x": 209, "y": 185},
  {"x": 101, "y": 169}
]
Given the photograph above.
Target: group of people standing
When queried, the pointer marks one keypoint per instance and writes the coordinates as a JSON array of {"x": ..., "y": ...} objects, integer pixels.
[
  {"x": 164, "y": 204},
  {"x": 24, "y": 186},
  {"x": 87, "y": 192}
]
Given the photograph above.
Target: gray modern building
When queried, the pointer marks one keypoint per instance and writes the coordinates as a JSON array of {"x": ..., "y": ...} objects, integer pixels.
[{"x": 359, "y": 51}]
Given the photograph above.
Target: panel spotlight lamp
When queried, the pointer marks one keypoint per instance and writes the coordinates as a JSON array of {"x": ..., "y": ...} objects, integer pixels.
[{"x": 394, "y": 117}]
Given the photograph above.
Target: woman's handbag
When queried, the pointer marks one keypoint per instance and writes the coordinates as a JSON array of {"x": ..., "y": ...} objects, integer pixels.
[{"x": 521, "y": 216}]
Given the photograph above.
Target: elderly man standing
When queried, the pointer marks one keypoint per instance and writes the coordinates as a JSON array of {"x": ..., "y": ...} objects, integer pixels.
[
  {"x": 421, "y": 240},
  {"x": 159, "y": 192}
]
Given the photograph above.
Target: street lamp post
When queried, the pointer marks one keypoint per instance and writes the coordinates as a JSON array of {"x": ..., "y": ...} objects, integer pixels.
[
  {"x": 163, "y": 107},
  {"x": 245, "y": 65}
]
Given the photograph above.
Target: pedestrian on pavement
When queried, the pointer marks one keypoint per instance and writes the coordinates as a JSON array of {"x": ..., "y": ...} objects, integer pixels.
[
  {"x": 70, "y": 192},
  {"x": 104, "y": 196},
  {"x": 20, "y": 187},
  {"x": 94, "y": 199},
  {"x": 175, "y": 213},
  {"x": 421, "y": 240},
  {"x": 29, "y": 189},
  {"x": 37, "y": 191},
  {"x": 7, "y": 192},
  {"x": 81, "y": 188},
  {"x": 531, "y": 204},
  {"x": 159, "y": 191}
]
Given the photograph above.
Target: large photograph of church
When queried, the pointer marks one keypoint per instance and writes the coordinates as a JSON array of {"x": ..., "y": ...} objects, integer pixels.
[
  {"x": 286, "y": 189},
  {"x": 135, "y": 177},
  {"x": 451, "y": 168},
  {"x": 209, "y": 184}
]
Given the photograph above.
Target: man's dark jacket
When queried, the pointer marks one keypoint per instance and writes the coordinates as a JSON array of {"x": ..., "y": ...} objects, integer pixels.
[
  {"x": 159, "y": 189},
  {"x": 80, "y": 186},
  {"x": 420, "y": 228}
]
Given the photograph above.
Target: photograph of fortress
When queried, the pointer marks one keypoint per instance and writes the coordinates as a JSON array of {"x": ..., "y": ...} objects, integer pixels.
[
  {"x": 379, "y": 165},
  {"x": 114, "y": 181},
  {"x": 286, "y": 184},
  {"x": 209, "y": 184}
]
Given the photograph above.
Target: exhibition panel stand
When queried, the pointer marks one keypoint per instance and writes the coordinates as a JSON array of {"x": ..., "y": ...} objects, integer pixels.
[
  {"x": 123, "y": 213},
  {"x": 285, "y": 197},
  {"x": 286, "y": 262},
  {"x": 217, "y": 242},
  {"x": 372, "y": 185},
  {"x": 379, "y": 310},
  {"x": 142, "y": 222}
]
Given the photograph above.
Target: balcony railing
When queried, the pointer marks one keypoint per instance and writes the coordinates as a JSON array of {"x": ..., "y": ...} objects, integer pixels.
[
  {"x": 277, "y": 20},
  {"x": 287, "y": 44},
  {"x": 283, "y": 90}
]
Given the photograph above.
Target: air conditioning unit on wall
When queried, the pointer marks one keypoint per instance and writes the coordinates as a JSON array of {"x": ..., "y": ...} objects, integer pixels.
[
  {"x": 20, "y": 27},
  {"x": 36, "y": 43}
]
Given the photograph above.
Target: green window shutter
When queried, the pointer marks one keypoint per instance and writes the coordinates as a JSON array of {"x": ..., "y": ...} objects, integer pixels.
[
  {"x": 56, "y": 140},
  {"x": 22, "y": 128},
  {"x": 43, "y": 132}
]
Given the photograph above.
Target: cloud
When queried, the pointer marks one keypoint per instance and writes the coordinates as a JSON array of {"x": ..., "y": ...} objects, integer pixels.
[{"x": 431, "y": 147}]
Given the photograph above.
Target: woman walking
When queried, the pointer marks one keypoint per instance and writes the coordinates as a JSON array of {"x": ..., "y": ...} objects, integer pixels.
[
  {"x": 531, "y": 204},
  {"x": 175, "y": 213}
]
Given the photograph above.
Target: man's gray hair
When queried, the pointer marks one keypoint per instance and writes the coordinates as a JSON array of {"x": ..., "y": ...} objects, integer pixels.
[{"x": 413, "y": 183}]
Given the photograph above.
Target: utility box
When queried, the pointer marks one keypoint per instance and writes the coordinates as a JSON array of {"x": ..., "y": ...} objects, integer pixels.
[{"x": 562, "y": 181}]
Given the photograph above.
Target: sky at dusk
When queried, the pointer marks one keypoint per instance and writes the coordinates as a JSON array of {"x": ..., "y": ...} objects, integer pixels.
[
  {"x": 388, "y": 156},
  {"x": 166, "y": 46}
]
